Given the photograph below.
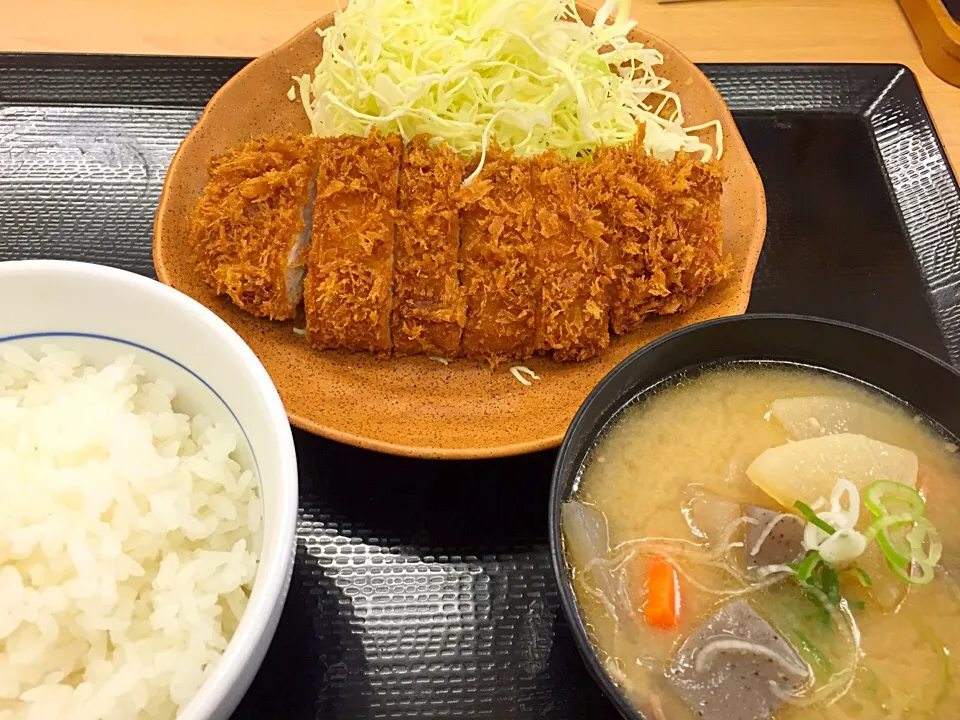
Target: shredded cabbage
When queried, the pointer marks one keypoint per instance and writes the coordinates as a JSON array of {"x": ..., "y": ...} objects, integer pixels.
[{"x": 528, "y": 73}]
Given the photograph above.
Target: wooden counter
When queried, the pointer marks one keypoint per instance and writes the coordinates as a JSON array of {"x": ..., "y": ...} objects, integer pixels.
[{"x": 706, "y": 30}]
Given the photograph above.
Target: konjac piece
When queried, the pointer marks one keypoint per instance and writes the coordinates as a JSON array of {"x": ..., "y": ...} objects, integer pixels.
[
  {"x": 779, "y": 543},
  {"x": 727, "y": 669}
]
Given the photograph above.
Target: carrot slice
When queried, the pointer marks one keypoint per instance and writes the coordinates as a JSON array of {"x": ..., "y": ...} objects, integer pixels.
[{"x": 662, "y": 607}]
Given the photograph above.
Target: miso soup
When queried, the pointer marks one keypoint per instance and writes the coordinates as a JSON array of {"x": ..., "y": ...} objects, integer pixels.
[{"x": 763, "y": 541}]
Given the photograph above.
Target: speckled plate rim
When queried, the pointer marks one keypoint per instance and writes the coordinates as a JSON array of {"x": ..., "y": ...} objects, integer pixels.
[{"x": 732, "y": 136}]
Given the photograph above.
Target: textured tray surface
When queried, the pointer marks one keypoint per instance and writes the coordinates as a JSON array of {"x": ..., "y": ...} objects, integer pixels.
[{"x": 423, "y": 589}]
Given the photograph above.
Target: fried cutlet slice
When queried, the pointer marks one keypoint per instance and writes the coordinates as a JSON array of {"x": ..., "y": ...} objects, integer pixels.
[
  {"x": 663, "y": 229},
  {"x": 687, "y": 258},
  {"x": 498, "y": 260},
  {"x": 251, "y": 227},
  {"x": 348, "y": 295},
  {"x": 429, "y": 309},
  {"x": 621, "y": 186},
  {"x": 573, "y": 313}
]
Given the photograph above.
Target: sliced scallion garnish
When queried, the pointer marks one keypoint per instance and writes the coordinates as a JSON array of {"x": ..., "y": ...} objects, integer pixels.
[
  {"x": 807, "y": 566},
  {"x": 891, "y": 534},
  {"x": 909, "y": 541},
  {"x": 925, "y": 545},
  {"x": 907, "y": 573},
  {"x": 814, "y": 652},
  {"x": 811, "y": 517},
  {"x": 830, "y": 583},
  {"x": 883, "y": 493},
  {"x": 863, "y": 577}
]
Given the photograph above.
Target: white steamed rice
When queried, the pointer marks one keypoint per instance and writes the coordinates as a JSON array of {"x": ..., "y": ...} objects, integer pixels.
[{"x": 129, "y": 541}]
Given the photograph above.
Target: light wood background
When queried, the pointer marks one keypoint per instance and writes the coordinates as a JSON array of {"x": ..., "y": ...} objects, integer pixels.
[{"x": 705, "y": 30}]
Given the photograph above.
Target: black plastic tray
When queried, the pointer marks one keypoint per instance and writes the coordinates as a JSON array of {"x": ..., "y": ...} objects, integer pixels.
[{"x": 424, "y": 589}]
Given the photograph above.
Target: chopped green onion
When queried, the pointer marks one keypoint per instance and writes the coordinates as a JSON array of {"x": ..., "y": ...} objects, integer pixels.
[
  {"x": 895, "y": 547},
  {"x": 817, "y": 597},
  {"x": 807, "y": 566},
  {"x": 909, "y": 541},
  {"x": 863, "y": 577},
  {"x": 883, "y": 491},
  {"x": 887, "y": 521},
  {"x": 906, "y": 573},
  {"x": 924, "y": 533},
  {"x": 830, "y": 583},
  {"x": 894, "y": 558},
  {"x": 856, "y": 604},
  {"x": 814, "y": 652},
  {"x": 812, "y": 518},
  {"x": 818, "y": 579}
]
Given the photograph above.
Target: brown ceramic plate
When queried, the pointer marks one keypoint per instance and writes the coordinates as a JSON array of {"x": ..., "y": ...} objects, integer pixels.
[{"x": 415, "y": 406}]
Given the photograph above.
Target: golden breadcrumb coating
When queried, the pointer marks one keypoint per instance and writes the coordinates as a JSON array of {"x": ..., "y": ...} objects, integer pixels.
[
  {"x": 347, "y": 292},
  {"x": 573, "y": 311},
  {"x": 243, "y": 228},
  {"x": 498, "y": 259},
  {"x": 540, "y": 254},
  {"x": 663, "y": 230},
  {"x": 689, "y": 257},
  {"x": 429, "y": 308},
  {"x": 620, "y": 185}
]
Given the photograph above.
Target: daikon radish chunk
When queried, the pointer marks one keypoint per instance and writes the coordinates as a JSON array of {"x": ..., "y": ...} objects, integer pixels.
[
  {"x": 808, "y": 470},
  {"x": 819, "y": 415}
]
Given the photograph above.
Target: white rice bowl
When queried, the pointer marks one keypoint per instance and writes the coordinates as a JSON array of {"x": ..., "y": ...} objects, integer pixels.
[{"x": 129, "y": 545}]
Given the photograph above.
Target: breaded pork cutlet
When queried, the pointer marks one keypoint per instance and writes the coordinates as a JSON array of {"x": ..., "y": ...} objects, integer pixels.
[
  {"x": 498, "y": 260},
  {"x": 546, "y": 255},
  {"x": 688, "y": 257},
  {"x": 429, "y": 309},
  {"x": 251, "y": 227},
  {"x": 663, "y": 228},
  {"x": 348, "y": 294},
  {"x": 573, "y": 312},
  {"x": 621, "y": 185}
]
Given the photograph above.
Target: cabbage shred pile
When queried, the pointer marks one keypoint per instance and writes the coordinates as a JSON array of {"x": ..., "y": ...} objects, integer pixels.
[{"x": 528, "y": 73}]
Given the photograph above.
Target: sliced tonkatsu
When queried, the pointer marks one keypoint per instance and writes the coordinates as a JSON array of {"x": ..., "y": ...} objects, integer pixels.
[
  {"x": 429, "y": 308},
  {"x": 348, "y": 289},
  {"x": 662, "y": 227},
  {"x": 687, "y": 258},
  {"x": 573, "y": 310},
  {"x": 535, "y": 255},
  {"x": 251, "y": 227},
  {"x": 621, "y": 186},
  {"x": 498, "y": 259}
]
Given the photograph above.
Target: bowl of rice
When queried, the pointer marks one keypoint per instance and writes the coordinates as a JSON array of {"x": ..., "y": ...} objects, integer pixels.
[{"x": 148, "y": 501}]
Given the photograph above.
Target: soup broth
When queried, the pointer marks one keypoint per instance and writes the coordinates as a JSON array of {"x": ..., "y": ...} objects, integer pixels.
[{"x": 676, "y": 492}]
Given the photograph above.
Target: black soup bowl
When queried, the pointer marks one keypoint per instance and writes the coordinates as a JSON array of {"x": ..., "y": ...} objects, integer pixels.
[{"x": 888, "y": 365}]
